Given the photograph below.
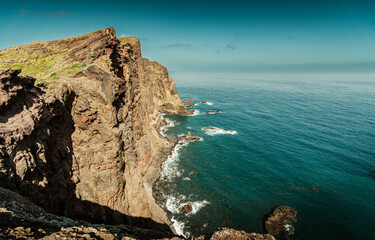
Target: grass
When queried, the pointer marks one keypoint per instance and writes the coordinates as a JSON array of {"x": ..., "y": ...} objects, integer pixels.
[
  {"x": 130, "y": 40},
  {"x": 45, "y": 83},
  {"x": 55, "y": 53},
  {"x": 47, "y": 66},
  {"x": 50, "y": 66}
]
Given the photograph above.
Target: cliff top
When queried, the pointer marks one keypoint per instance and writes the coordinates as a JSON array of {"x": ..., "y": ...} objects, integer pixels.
[{"x": 52, "y": 60}]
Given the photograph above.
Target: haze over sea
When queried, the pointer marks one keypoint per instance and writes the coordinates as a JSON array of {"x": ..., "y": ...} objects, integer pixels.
[{"x": 303, "y": 140}]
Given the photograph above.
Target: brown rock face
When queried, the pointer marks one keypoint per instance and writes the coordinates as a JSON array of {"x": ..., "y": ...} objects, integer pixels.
[
  {"x": 281, "y": 216},
  {"x": 87, "y": 144}
]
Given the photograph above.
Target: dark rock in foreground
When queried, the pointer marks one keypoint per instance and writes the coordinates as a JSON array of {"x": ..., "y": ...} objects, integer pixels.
[
  {"x": 231, "y": 234},
  {"x": 281, "y": 216}
]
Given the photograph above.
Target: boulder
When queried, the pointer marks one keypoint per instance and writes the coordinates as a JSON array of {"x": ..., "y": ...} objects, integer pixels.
[{"x": 188, "y": 208}]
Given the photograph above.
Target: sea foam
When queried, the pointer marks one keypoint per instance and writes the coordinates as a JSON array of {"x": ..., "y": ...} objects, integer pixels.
[
  {"x": 169, "y": 166},
  {"x": 214, "y": 131},
  {"x": 196, "y": 112},
  {"x": 164, "y": 129},
  {"x": 289, "y": 229}
]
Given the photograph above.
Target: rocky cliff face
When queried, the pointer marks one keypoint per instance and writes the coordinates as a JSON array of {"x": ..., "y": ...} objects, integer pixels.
[{"x": 85, "y": 143}]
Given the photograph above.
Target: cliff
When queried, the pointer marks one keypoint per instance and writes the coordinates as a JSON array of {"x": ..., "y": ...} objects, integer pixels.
[
  {"x": 80, "y": 138},
  {"x": 86, "y": 142}
]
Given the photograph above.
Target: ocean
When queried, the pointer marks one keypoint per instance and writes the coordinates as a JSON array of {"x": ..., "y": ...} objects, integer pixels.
[{"x": 301, "y": 140}]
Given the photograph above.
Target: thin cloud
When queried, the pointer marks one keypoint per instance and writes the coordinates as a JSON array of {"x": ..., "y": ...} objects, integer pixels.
[
  {"x": 230, "y": 46},
  {"x": 177, "y": 45},
  {"x": 123, "y": 36},
  {"x": 24, "y": 11},
  {"x": 55, "y": 14}
]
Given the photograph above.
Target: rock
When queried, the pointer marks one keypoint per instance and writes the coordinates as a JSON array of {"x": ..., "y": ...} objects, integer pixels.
[
  {"x": 314, "y": 189},
  {"x": 231, "y": 234},
  {"x": 188, "y": 103},
  {"x": 204, "y": 102},
  {"x": 213, "y": 112},
  {"x": 190, "y": 138},
  {"x": 188, "y": 208},
  {"x": 281, "y": 216}
]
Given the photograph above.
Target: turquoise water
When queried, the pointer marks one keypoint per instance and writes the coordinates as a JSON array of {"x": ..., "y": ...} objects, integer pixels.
[{"x": 294, "y": 132}]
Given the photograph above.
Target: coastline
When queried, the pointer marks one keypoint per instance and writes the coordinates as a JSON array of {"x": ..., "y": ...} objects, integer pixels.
[
  {"x": 155, "y": 172},
  {"x": 167, "y": 171}
]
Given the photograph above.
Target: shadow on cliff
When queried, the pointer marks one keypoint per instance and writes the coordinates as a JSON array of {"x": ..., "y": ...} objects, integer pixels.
[{"x": 58, "y": 195}]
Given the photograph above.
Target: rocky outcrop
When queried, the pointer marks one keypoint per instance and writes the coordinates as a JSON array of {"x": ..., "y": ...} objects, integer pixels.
[
  {"x": 190, "y": 138},
  {"x": 280, "y": 217},
  {"x": 188, "y": 103},
  {"x": 231, "y": 234},
  {"x": 86, "y": 144}
]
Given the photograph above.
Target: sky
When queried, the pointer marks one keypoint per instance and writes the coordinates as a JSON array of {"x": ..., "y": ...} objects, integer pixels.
[{"x": 228, "y": 36}]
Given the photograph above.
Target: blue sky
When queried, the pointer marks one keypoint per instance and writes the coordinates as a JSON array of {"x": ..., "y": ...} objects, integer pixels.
[{"x": 217, "y": 35}]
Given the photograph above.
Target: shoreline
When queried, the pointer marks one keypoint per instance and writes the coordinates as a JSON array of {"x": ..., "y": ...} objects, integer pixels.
[
  {"x": 162, "y": 200},
  {"x": 154, "y": 173}
]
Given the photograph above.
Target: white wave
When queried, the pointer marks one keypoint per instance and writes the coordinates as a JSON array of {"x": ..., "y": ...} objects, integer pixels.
[
  {"x": 178, "y": 228},
  {"x": 189, "y": 127},
  {"x": 173, "y": 205},
  {"x": 186, "y": 179},
  {"x": 208, "y": 103},
  {"x": 289, "y": 229},
  {"x": 169, "y": 166},
  {"x": 164, "y": 129},
  {"x": 196, "y": 112},
  {"x": 198, "y": 205},
  {"x": 214, "y": 131}
]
